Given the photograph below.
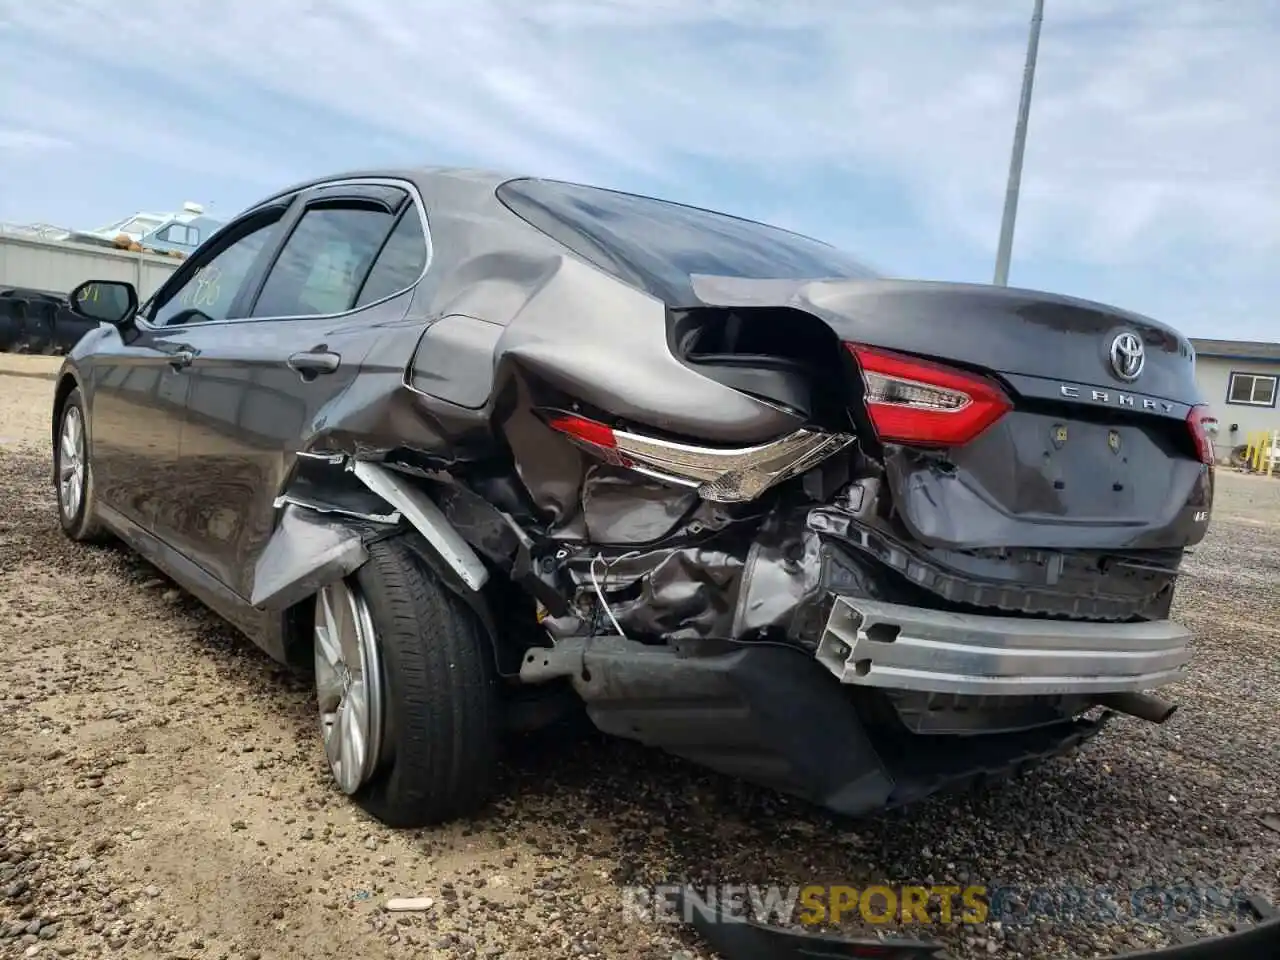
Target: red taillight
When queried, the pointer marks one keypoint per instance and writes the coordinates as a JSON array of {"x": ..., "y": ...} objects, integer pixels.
[
  {"x": 920, "y": 402},
  {"x": 1198, "y": 419},
  {"x": 588, "y": 431}
]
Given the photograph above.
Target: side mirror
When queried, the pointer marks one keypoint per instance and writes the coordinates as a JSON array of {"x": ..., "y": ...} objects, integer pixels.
[{"x": 106, "y": 301}]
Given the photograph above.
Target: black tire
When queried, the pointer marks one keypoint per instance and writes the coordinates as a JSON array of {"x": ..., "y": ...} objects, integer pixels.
[
  {"x": 82, "y": 525},
  {"x": 441, "y": 722}
]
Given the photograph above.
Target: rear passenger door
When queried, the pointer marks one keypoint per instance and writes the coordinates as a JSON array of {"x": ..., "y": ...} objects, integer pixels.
[{"x": 263, "y": 383}]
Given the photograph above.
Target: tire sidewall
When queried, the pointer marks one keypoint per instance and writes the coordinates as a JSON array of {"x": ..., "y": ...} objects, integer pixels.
[
  {"x": 394, "y": 695},
  {"x": 405, "y": 756}
]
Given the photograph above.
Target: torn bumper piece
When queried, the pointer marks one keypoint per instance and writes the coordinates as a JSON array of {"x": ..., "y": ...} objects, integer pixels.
[
  {"x": 771, "y": 714},
  {"x": 873, "y": 644},
  {"x": 735, "y": 938},
  {"x": 307, "y": 550}
]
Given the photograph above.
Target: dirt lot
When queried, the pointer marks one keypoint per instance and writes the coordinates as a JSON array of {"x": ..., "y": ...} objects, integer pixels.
[{"x": 164, "y": 791}]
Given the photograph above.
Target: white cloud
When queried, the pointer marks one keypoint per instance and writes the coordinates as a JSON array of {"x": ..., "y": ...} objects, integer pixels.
[
  {"x": 22, "y": 141},
  {"x": 1156, "y": 122}
]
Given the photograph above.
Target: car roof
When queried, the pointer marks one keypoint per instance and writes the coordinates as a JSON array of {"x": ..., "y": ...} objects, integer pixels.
[
  {"x": 466, "y": 210},
  {"x": 438, "y": 180},
  {"x": 475, "y": 188}
]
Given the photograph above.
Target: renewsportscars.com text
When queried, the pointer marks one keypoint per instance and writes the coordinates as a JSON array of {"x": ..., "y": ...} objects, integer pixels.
[{"x": 908, "y": 904}]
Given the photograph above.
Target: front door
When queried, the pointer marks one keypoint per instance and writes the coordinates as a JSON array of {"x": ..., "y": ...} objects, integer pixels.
[
  {"x": 138, "y": 386},
  {"x": 263, "y": 387},
  {"x": 167, "y": 334}
]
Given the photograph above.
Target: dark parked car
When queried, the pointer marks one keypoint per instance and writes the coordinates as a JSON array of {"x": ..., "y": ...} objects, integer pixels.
[
  {"x": 474, "y": 446},
  {"x": 37, "y": 321}
]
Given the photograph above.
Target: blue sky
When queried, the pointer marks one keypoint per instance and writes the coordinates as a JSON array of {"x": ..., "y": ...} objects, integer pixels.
[{"x": 1152, "y": 175}]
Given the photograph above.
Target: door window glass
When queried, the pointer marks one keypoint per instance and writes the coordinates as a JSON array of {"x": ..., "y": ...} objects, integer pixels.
[
  {"x": 213, "y": 287},
  {"x": 401, "y": 261},
  {"x": 324, "y": 262}
]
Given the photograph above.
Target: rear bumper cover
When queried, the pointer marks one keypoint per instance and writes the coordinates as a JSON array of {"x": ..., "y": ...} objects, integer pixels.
[
  {"x": 771, "y": 715},
  {"x": 889, "y": 646}
]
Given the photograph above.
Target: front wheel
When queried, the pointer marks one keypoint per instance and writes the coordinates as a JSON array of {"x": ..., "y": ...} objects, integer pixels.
[
  {"x": 407, "y": 692},
  {"x": 73, "y": 473}
]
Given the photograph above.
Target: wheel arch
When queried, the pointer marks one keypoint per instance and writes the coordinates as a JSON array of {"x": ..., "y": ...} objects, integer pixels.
[
  {"x": 66, "y": 383},
  {"x": 323, "y": 533}
]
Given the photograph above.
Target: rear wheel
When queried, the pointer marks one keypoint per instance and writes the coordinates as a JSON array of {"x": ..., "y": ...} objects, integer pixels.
[
  {"x": 73, "y": 473},
  {"x": 407, "y": 692}
]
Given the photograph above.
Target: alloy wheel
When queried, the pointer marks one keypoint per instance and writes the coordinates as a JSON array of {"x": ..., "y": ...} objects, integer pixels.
[
  {"x": 348, "y": 685},
  {"x": 71, "y": 463}
]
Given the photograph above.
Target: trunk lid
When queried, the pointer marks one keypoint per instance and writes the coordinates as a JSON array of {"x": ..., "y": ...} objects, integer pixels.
[
  {"x": 1032, "y": 336},
  {"x": 1096, "y": 451}
]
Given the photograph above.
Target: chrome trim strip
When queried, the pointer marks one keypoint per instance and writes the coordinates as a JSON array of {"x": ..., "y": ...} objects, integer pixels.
[
  {"x": 415, "y": 198},
  {"x": 729, "y": 474}
]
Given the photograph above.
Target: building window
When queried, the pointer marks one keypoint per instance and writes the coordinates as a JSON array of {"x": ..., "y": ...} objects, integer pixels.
[
  {"x": 1252, "y": 389},
  {"x": 180, "y": 233}
]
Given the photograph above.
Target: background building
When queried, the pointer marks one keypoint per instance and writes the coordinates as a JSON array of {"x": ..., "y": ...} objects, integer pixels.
[{"x": 1238, "y": 379}]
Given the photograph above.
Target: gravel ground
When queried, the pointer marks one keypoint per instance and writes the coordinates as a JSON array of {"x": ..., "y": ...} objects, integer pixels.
[{"x": 164, "y": 791}]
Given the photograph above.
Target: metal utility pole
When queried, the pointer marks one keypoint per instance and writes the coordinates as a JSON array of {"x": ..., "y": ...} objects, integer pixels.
[{"x": 1019, "y": 146}]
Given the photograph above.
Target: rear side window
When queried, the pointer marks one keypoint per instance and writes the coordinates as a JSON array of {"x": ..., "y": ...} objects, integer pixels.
[
  {"x": 401, "y": 261},
  {"x": 324, "y": 262},
  {"x": 658, "y": 245}
]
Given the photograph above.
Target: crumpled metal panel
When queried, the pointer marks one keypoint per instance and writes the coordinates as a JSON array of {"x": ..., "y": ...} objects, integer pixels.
[
  {"x": 306, "y": 551},
  {"x": 627, "y": 508},
  {"x": 783, "y": 571},
  {"x": 686, "y": 594},
  {"x": 752, "y": 578}
]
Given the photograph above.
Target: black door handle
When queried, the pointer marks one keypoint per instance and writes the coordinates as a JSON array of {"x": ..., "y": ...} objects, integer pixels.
[{"x": 311, "y": 364}]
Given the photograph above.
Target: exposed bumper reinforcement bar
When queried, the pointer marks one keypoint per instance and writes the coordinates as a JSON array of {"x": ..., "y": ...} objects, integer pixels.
[{"x": 872, "y": 644}]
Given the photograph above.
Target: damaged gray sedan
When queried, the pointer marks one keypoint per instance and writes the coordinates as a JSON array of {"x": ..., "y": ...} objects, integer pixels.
[{"x": 477, "y": 447}]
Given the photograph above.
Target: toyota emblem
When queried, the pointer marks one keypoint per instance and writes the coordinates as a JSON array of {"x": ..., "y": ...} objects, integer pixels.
[{"x": 1127, "y": 356}]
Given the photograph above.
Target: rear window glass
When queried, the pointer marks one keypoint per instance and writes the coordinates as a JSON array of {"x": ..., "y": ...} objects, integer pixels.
[{"x": 656, "y": 245}]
